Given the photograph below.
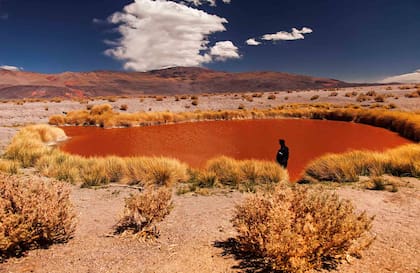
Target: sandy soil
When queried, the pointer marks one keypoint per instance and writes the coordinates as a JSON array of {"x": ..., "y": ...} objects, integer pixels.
[{"x": 195, "y": 236}]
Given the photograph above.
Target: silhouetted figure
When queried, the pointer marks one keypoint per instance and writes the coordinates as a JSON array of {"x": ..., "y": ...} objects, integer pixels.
[{"x": 282, "y": 154}]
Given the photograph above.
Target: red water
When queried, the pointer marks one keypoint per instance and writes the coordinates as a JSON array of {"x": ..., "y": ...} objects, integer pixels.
[{"x": 197, "y": 142}]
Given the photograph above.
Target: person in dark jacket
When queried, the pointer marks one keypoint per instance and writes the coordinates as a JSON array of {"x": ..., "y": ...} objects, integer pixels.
[{"x": 282, "y": 154}]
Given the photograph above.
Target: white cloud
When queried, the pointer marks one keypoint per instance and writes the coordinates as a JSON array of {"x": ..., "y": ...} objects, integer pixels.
[
  {"x": 413, "y": 77},
  {"x": 252, "y": 42},
  {"x": 224, "y": 50},
  {"x": 10, "y": 68},
  {"x": 201, "y": 2},
  {"x": 296, "y": 34},
  {"x": 160, "y": 34}
]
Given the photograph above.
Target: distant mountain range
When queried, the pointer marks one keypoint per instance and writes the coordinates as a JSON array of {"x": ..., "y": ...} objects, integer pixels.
[{"x": 178, "y": 80}]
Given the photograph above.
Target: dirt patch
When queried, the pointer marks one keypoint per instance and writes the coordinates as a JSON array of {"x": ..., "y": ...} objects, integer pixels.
[{"x": 194, "y": 237}]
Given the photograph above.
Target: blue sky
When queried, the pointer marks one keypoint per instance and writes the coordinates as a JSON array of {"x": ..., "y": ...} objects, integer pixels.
[{"x": 351, "y": 40}]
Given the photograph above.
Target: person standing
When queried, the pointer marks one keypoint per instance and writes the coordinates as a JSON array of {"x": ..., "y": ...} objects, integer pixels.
[{"x": 282, "y": 154}]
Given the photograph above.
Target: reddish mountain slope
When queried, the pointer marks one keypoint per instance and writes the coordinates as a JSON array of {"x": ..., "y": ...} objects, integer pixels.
[{"x": 179, "y": 80}]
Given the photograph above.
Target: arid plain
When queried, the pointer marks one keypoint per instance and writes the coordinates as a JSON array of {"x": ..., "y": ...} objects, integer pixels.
[{"x": 195, "y": 236}]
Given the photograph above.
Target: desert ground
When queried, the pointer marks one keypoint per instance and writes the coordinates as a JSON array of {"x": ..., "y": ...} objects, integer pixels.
[{"x": 195, "y": 236}]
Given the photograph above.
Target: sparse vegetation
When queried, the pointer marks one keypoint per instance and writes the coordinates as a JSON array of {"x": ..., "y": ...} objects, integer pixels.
[
  {"x": 271, "y": 97},
  {"x": 33, "y": 214},
  {"x": 315, "y": 97},
  {"x": 142, "y": 212},
  {"x": 295, "y": 230}
]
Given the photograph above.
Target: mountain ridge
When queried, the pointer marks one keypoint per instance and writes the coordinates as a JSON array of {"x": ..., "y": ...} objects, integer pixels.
[{"x": 169, "y": 81}]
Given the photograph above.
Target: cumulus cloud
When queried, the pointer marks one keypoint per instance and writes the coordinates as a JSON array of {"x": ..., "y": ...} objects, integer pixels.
[
  {"x": 201, "y": 2},
  {"x": 296, "y": 34},
  {"x": 224, "y": 50},
  {"x": 10, "y": 68},
  {"x": 413, "y": 77},
  {"x": 252, "y": 42},
  {"x": 160, "y": 34}
]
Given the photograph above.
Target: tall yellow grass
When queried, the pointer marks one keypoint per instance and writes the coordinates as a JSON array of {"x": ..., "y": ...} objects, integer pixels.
[
  {"x": 347, "y": 167},
  {"x": 406, "y": 124}
]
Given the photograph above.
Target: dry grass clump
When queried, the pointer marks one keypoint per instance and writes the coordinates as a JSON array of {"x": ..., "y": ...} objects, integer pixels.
[
  {"x": 271, "y": 97},
  {"x": 379, "y": 98},
  {"x": 347, "y": 167},
  {"x": 295, "y": 230},
  {"x": 350, "y": 94},
  {"x": 9, "y": 166},
  {"x": 379, "y": 183},
  {"x": 33, "y": 214},
  {"x": 30, "y": 143},
  {"x": 152, "y": 172},
  {"x": 333, "y": 94},
  {"x": 61, "y": 166},
  {"x": 124, "y": 107},
  {"x": 194, "y": 102},
  {"x": 245, "y": 174},
  {"x": 142, "y": 212}
]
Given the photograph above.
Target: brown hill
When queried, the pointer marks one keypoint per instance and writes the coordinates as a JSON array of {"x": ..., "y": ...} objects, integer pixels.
[{"x": 178, "y": 80}]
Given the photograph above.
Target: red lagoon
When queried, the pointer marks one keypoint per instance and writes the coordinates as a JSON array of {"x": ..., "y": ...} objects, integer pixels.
[{"x": 197, "y": 142}]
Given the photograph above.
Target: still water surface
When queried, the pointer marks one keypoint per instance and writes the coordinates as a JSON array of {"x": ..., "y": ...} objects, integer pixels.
[{"x": 197, "y": 142}]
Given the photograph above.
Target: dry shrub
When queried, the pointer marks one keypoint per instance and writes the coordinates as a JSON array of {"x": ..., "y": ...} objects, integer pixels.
[
  {"x": 153, "y": 172},
  {"x": 296, "y": 230},
  {"x": 315, "y": 97},
  {"x": 350, "y": 94},
  {"x": 33, "y": 214},
  {"x": 124, "y": 107},
  {"x": 142, "y": 212},
  {"x": 379, "y": 98},
  {"x": 333, "y": 94},
  {"x": 271, "y": 97},
  {"x": 194, "y": 102},
  {"x": 371, "y": 93},
  {"x": 414, "y": 94},
  {"x": 241, "y": 107}
]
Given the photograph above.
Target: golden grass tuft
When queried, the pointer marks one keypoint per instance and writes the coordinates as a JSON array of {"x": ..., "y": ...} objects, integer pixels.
[
  {"x": 33, "y": 214},
  {"x": 152, "y": 172},
  {"x": 9, "y": 166},
  {"x": 30, "y": 143},
  {"x": 245, "y": 174},
  {"x": 142, "y": 212},
  {"x": 347, "y": 167},
  {"x": 295, "y": 230}
]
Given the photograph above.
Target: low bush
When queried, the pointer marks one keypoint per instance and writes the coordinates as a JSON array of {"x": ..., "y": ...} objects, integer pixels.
[
  {"x": 142, "y": 212},
  {"x": 296, "y": 230},
  {"x": 33, "y": 214}
]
